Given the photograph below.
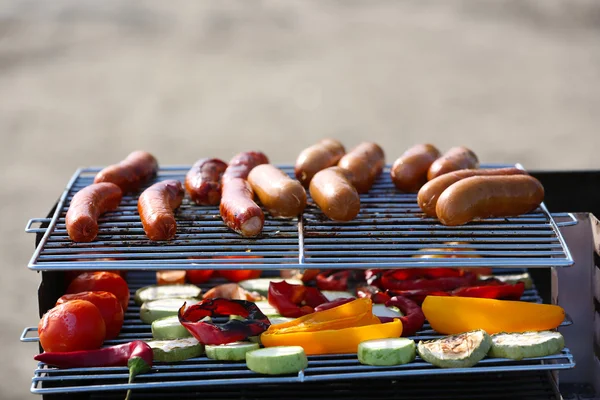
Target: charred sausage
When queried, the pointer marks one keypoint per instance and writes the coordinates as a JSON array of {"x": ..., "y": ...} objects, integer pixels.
[
  {"x": 156, "y": 207},
  {"x": 242, "y": 163},
  {"x": 453, "y": 160},
  {"x": 324, "y": 154},
  {"x": 131, "y": 173},
  {"x": 430, "y": 192},
  {"x": 365, "y": 162},
  {"x": 409, "y": 172},
  {"x": 281, "y": 195},
  {"x": 87, "y": 205},
  {"x": 489, "y": 196},
  {"x": 203, "y": 181},
  {"x": 333, "y": 192},
  {"x": 238, "y": 209}
]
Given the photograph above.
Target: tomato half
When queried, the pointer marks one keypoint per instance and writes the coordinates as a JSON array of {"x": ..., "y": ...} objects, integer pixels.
[
  {"x": 197, "y": 276},
  {"x": 74, "y": 325},
  {"x": 101, "y": 281},
  {"x": 107, "y": 303}
]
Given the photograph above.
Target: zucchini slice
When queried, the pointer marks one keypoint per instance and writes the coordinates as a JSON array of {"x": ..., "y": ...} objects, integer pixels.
[
  {"x": 176, "y": 350},
  {"x": 261, "y": 285},
  {"x": 157, "y": 292},
  {"x": 456, "y": 351},
  {"x": 517, "y": 346},
  {"x": 235, "y": 351},
  {"x": 332, "y": 295},
  {"x": 387, "y": 351},
  {"x": 169, "y": 328},
  {"x": 279, "y": 360},
  {"x": 156, "y": 309}
]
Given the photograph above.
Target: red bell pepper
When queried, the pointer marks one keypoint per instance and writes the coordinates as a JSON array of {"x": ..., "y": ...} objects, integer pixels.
[
  {"x": 444, "y": 283},
  {"x": 416, "y": 295},
  {"x": 493, "y": 291},
  {"x": 413, "y": 318},
  {"x": 294, "y": 301},
  {"x": 338, "y": 280},
  {"x": 373, "y": 293},
  {"x": 334, "y": 303}
]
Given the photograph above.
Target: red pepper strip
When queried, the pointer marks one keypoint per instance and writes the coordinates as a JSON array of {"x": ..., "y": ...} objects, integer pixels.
[
  {"x": 330, "y": 280},
  {"x": 334, "y": 303},
  {"x": 498, "y": 292},
  {"x": 255, "y": 321},
  {"x": 442, "y": 284},
  {"x": 373, "y": 276},
  {"x": 416, "y": 295},
  {"x": 294, "y": 301},
  {"x": 373, "y": 293},
  {"x": 413, "y": 318},
  {"x": 429, "y": 273},
  {"x": 313, "y": 297},
  {"x": 136, "y": 355}
]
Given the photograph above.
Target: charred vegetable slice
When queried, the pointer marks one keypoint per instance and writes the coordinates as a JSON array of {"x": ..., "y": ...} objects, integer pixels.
[
  {"x": 456, "y": 351},
  {"x": 279, "y": 360},
  {"x": 387, "y": 351},
  {"x": 235, "y": 351},
  {"x": 517, "y": 346},
  {"x": 176, "y": 350},
  {"x": 157, "y": 292}
]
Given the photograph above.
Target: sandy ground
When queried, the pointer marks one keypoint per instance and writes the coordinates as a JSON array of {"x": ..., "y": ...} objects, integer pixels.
[{"x": 85, "y": 82}]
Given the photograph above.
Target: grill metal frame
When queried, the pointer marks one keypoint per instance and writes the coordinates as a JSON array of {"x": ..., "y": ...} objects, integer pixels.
[{"x": 388, "y": 233}]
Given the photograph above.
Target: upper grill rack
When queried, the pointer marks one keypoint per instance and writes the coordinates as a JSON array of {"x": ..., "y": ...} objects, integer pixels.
[{"x": 389, "y": 232}]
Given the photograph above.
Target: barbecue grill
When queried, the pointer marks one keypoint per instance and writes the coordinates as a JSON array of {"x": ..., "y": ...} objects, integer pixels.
[{"x": 390, "y": 232}]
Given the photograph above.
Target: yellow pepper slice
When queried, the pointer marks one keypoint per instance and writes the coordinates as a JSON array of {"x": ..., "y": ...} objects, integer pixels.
[{"x": 333, "y": 341}]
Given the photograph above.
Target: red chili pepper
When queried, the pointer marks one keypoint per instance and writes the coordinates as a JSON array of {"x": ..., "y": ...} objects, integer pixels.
[
  {"x": 428, "y": 273},
  {"x": 413, "y": 318},
  {"x": 334, "y": 303},
  {"x": 255, "y": 321},
  {"x": 494, "y": 291},
  {"x": 136, "y": 355},
  {"x": 416, "y": 295},
  {"x": 373, "y": 293},
  {"x": 333, "y": 280},
  {"x": 388, "y": 281},
  {"x": 294, "y": 301}
]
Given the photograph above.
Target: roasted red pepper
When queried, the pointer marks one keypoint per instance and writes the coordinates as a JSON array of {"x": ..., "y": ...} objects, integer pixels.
[
  {"x": 136, "y": 355},
  {"x": 428, "y": 273},
  {"x": 413, "y": 318},
  {"x": 390, "y": 281},
  {"x": 416, "y": 295},
  {"x": 255, "y": 321},
  {"x": 333, "y": 280},
  {"x": 294, "y": 301},
  {"x": 334, "y": 303},
  {"x": 373, "y": 293},
  {"x": 493, "y": 291}
]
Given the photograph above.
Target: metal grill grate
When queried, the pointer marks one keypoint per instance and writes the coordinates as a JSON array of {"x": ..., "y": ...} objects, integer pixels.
[
  {"x": 389, "y": 232},
  {"x": 204, "y": 372}
]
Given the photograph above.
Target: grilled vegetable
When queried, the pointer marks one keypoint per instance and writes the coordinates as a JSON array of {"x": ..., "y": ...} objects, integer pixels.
[
  {"x": 451, "y": 315},
  {"x": 457, "y": 351},
  {"x": 266, "y": 308},
  {"x": 235, "y": 351},
  {"x": 157, "y": 292},
  {"x": 262, "y": 285},
  {"x": 386, "y": 312},
  {"x": 511, "y": 279},
  {"x": 332, "y": 295},
  {"x": 169, "y": 328},
  {"x": 277, "y": 360},
  {"x": 517, "y": 346},
  {"x": 413, "y": 318},
  {"x": 156, "y": 309},
  {"x": 294, "y": 300},
  {"x": 387, "y": 351},
  {"x": 176, "y": 350},
  {"x": 279, "y": 320}
]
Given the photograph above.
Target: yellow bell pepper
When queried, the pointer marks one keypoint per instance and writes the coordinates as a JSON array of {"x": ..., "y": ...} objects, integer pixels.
[
  {"x": 451, "y": 315},
  {"x": 332, "y": 341}
]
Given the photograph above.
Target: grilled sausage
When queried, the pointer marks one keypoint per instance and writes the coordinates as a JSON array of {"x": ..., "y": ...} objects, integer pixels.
[
  {"x": 156, "y": 207},
  {"x": 242, "y": 163},
  {"x": 238, "y": 209},
  {"x": 281, "y": 195},
  {"x": 453, "y": 160},
  {"x": 129, "y": 174},
  {"x": 333, "y": 192},
  {"x": 203, "y": 181},
  {"x": 430, "y": 192},
  {"x": 409, "y": 172},
  {"x": 324, "y": 154},
  {"x": 488, "y": 196},
  {"x": 365, "y": 162},
  {"x": 87, "y": 205}
]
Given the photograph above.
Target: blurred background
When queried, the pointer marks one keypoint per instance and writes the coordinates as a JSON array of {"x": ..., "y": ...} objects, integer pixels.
[{"x": 85, "y": 82}]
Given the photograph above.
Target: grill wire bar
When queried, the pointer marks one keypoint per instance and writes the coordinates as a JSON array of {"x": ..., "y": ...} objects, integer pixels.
[
  {"x": 389, "y": 232},
  {"x": 212, "y": 374}
]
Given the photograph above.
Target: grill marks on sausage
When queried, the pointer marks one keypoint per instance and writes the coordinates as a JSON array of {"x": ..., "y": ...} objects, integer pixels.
[
  {"x": 156, "y": 207},
  {"x": 87, "y": 205},
  {"x": 241, "y": 164},
  {"x": 326, "y": 153},
  {"x": 365, "y": 162},
  {"x": 409, "y": 172},
  {"x": 203, "y": 181},
  {"x": 453, "y": 160},
  {"x": 138, "y": 168}
]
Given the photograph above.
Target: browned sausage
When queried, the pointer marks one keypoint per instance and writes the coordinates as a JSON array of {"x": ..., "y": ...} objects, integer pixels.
[
  {"x": 489, "y": 196},
  {"x": 281, "y": 195},
  {"x": 430, "y": 192},
  {"x": 333, "y": 192},
  {"x": 324, "y": 154},
  {"x": 409, "y": 172},
  {"x": 203, "y": 181},
  {"x": 241, "y": 164},
  {"x": 156, "y": 207},
  {"x": 129, "y": 174},
  {"x": 453, "y": 160},
  {"x": 238, "y": 209},
  {"x": 87, "y": 205},
  {"x": 365, "y": 162}
]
